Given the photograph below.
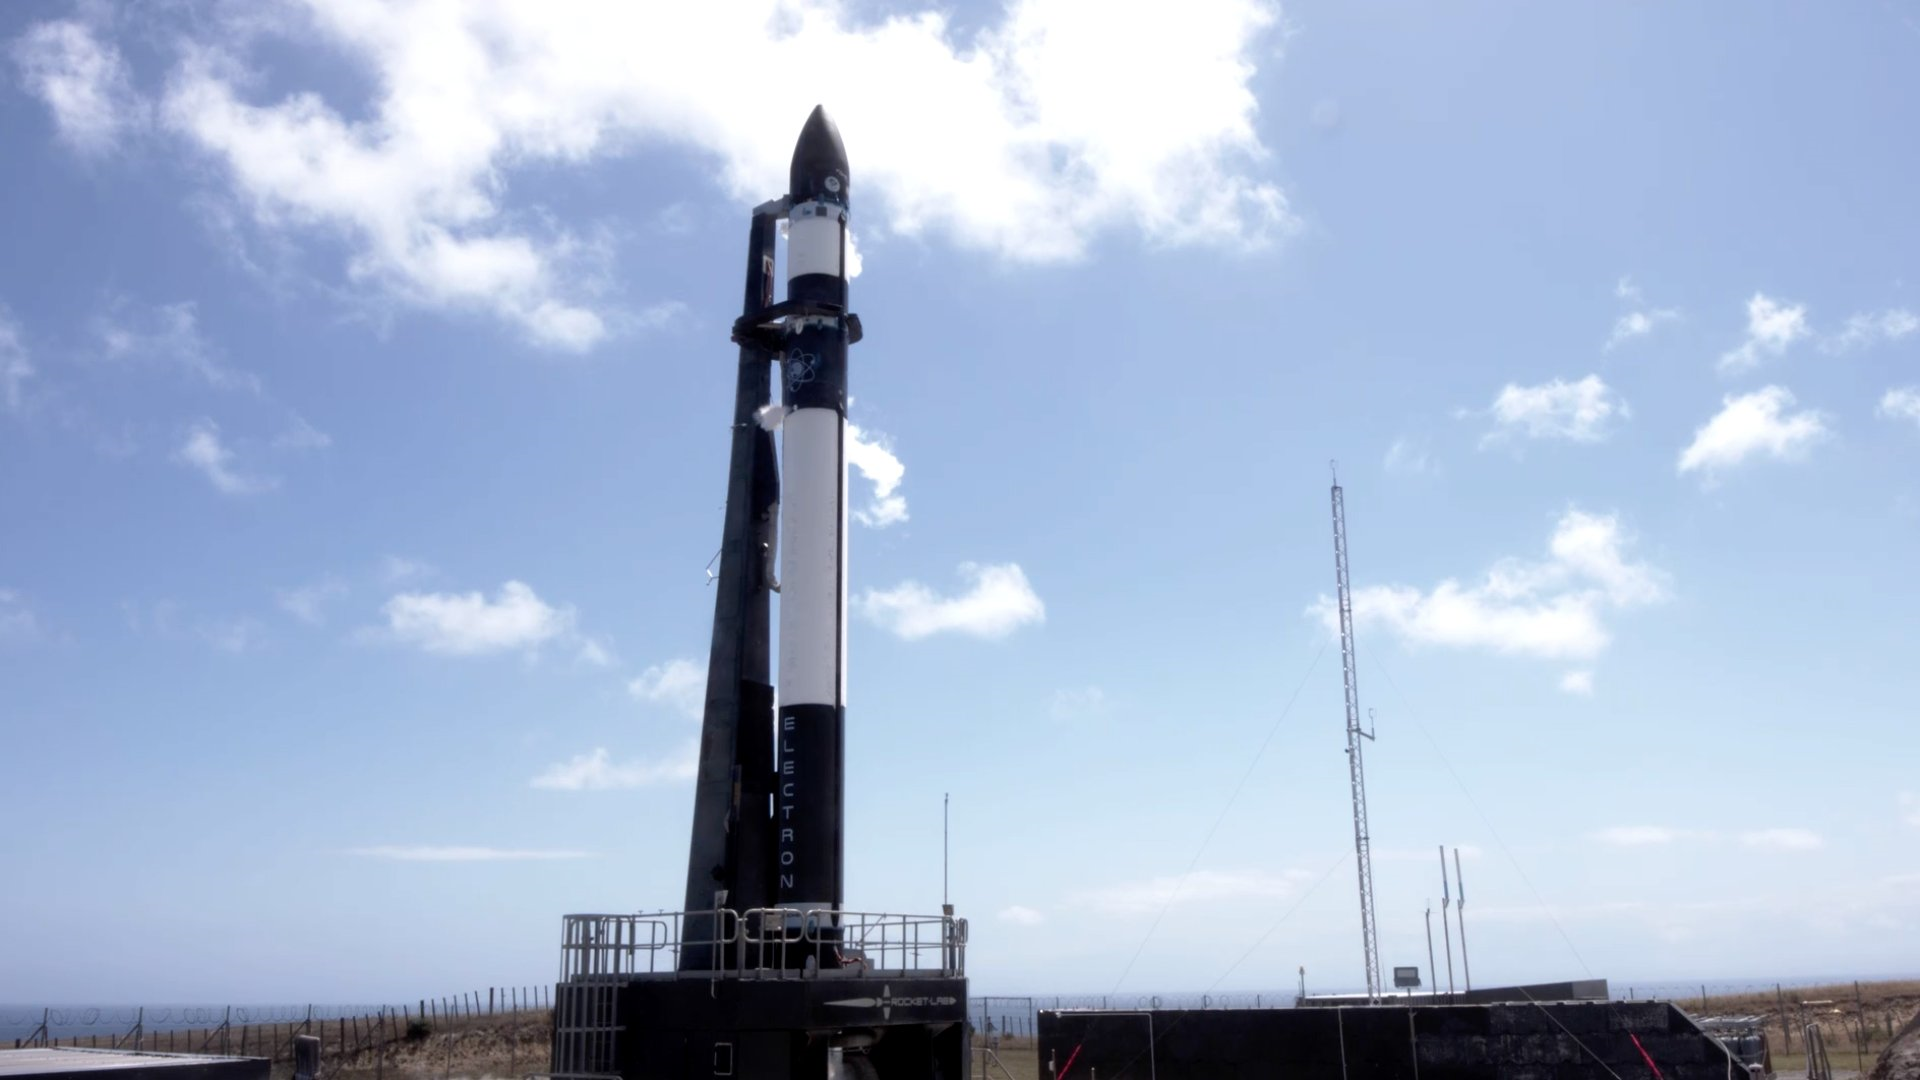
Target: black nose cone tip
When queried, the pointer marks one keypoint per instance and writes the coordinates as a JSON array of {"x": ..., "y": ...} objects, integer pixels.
[{"x": 819, "y": 169}]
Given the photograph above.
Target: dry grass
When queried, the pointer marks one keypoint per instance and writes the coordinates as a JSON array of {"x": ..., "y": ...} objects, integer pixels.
[{"x": 1856, "y": 1026}]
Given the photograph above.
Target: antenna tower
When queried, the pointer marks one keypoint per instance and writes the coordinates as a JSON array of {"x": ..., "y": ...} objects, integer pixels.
[{"x": 1362, "y": 849}]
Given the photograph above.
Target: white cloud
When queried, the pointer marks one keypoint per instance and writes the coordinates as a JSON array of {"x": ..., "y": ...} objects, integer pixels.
[
  {"x": 204, "y": 451},
  {"x": 301, "y": 435},
  {"x": 241, "y": 635},
  {"x": 15, "y": 369},
  {"x": 468, "y": 624},
  {"x": 1869, "y": 328},
  {"x": 307, "y": 603},
  {"x": 83, "y": 81},
  {"x": 432, "y": 853},
  {"x": 1752, "y": 424},
  {"x": 1200, "y": 887},
  {"x": 1901, "y": 403},
  {"x": 1583, "y": 411},
  {"x": 1079, "y": 703},
  {"x": 597, "y": 771},
  {"x": 1647, "y": 835},
  {"x": 1020, "y": 915},
  {"x": 17, "y": 621},
  {"x": 1405, "y": 457},
  {"x": 678, "y": 684},
  {"x": 167, "y": 334},
  {"x": 1772, "y": 325},
  {"x": 1555, "y": 609},
  {"x": 594, "y": 653},
  {"x": 394, "y": 569},
  {"x": 1635, "y": 324},
  {"x": 997, "y": 602},
  {"x": 1910, "y": 808},
  {"x": 1043, "y": 106},
  {"x": 1640, "y": 322},
  {"x": 872, "y": 455},
  {"x": 1782, "y": 839},
  {"x": 1577, "y": 682}
]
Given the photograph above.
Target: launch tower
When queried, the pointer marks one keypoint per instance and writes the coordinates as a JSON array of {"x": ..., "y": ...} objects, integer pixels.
[{"x": 764, "y": 972}]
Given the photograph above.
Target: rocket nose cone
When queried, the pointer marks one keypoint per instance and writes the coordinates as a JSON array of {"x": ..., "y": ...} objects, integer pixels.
[{"x": 819, "y": 169}]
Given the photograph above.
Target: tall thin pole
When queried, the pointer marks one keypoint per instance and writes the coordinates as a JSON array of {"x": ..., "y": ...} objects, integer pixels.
[
  {"x": 1446, "y": 899},
  {"x": 1460, "y": 912},
  {"x": 946, "y": 803},
  {"x": 1356, "y": 767},
  {"x": 1432, "y": 973}
]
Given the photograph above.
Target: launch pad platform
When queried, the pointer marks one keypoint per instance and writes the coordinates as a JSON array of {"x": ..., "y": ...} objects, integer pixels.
[{"x": 761, "y": 994}]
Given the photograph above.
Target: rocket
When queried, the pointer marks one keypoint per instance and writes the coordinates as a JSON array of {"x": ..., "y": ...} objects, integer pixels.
[
  {"x": 811, "y": 727},
  {"x": 768, "y": 798}
]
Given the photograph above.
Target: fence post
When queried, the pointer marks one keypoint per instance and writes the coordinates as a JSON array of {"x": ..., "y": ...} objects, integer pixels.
[
  {"x": 1860, "y": 1025},
  {"x": 489, "y": 1001}
]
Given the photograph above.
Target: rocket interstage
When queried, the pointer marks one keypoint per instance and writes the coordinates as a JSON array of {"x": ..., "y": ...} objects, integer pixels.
[{"x": 811, "y": 724}]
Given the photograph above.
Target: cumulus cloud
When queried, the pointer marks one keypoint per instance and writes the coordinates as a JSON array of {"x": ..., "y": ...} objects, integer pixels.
[
  {"x": 1772, "y": 325},
  {"x": 871, "y": 454},
  {"x": 1042, "y": 105},
  {"x": 1584, "y": 411},
  {"x": 1640, "y": 321},
  {"x": 1870, "y": 328},
  {"x": 596, "y": 770},
  {"x": 1577, "y": 682},
  {"x": 997, "y": 602},
  {"x": 15, "y": 369},
  {"x": 680, "y": 685},
  {"x": 1554, "y": 609},
  {"x": 1200, "y": 887},
  {"x": 1793, "y": 839},
  {"x": 436, "y": 853},
  {"x": 83, "y": 81},
  {"x": 1901, "y": 403},
  {"x": 1752, "y": 425},
  {"x": 203, "y": 450},
  {"x": 1020, "y": 915},
  {"x": 469, "y": 624}
]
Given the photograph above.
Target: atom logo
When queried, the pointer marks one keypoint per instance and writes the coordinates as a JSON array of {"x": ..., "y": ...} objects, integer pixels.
[{"x": 801, "y": 369}]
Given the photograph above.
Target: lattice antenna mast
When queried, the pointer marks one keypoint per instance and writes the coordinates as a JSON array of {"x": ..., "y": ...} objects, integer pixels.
[{"x": 1356, "y": 766}]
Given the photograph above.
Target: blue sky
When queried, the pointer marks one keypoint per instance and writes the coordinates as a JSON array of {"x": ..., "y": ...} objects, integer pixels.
[{"x": 363, "y": 396}]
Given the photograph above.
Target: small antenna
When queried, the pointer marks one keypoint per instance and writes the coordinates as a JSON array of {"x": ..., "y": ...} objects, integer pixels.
[
  {"x": 1432, "y": 973},
  {"x": 1446, "y": 899},
  {"x": 1461, "y": 913},
  {"x": 946, "y": 802}
]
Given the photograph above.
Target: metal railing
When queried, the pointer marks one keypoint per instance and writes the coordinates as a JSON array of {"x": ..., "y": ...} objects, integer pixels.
[{"x": 782, "y": 943}]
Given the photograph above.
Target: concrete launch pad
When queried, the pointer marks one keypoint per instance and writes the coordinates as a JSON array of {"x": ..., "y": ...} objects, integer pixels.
[
  {"x": 1578, "y": 1040},
  {"x": 77, "y": 1063}
]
